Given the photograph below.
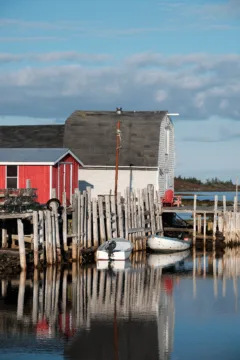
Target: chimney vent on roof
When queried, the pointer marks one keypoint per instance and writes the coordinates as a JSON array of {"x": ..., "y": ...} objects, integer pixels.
[{"x": 119, "y": 110}]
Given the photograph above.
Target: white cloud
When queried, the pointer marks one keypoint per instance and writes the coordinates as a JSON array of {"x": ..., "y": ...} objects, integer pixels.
[
  {"x": 70, "y": 56},
  {"x": 197, "y": 86}
]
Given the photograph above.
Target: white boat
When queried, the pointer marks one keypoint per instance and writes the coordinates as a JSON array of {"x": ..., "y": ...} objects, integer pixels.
[
  {"x": 165, "y": 260},
  {"x": 167, "y": 244},
  {"x": 114, "y": 249},
  {"x": 114, "y": 265}
]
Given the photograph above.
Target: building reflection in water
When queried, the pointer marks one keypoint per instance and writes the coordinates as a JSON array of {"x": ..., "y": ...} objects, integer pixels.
[{"x": 105, "y": 314}]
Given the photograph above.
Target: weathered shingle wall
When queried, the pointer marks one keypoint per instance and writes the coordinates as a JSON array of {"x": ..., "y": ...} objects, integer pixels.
[
  {"x": 92, "y": 137},
  {"x": 31, "y": 136}
]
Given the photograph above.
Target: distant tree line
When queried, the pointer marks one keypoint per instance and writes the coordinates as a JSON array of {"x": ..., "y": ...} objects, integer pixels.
[{"x": 209, "y": 182}]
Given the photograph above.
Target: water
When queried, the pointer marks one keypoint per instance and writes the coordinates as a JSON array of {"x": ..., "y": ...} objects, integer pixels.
[
  {"x": 208, "y": 195},
  {"x": 188, "y": 310}
]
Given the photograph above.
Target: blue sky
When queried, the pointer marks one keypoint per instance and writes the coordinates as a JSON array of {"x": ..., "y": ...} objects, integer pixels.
[{"x": 176, "y": 55}]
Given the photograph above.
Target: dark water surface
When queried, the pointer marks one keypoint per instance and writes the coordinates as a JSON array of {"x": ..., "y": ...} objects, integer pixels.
[{"x": 146, "y": 311}]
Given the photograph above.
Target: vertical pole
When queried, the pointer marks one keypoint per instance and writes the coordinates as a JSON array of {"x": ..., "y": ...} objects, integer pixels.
[
  {"x": 117, "y": 157},
  {"x": 35, "y": 237},
  {"x": 21, "y": 242},
  {"x": 237, "y": 194}
]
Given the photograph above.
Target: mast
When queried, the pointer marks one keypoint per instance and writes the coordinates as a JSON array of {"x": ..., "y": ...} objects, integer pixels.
[{"x": 118, "y": 141}]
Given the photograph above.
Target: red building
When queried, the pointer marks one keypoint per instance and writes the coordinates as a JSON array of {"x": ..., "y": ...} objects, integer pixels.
[{"x": 46, "y": 168}]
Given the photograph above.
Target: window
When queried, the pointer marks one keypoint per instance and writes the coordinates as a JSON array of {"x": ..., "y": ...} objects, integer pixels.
[{"x": 12, "y": 177}]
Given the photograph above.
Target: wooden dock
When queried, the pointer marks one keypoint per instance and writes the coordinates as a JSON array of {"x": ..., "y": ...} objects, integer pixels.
[{"x": 88, "y": 222}]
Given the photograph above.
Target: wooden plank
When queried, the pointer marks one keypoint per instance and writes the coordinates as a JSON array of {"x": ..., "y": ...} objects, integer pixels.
[
  {"x": 108, "y": 217},
  {"x": 22, "y": 253},
  {"x": 74, "y": 227},
  {"x": 120, "y": 215},
  {"x": 114, "y": 216},
  {"x": 57, "y": 235},
  {"x": 126, "y": 214},
  {"x": 215, "y": 216},
  {"x": 64, "y": 219},
  {"x": 49, "y": 237},
  {"x": 85, "y": 204},
  {"x": 16, "y": 216},
  {"x": 82, "y": 229},
  {"x": 95, "y": 222},
  {"x": 89, "y": 217},
  {"x": 101, "y": 220},
  {"x": 199, "y": 224},
  {"x": 135, "y": 230},
  {"x": 53, "y": 237},
  {"x": 35, "y": 237},
  {"x": 4, "y": 236},
  {"x": 150, "y": 190}
]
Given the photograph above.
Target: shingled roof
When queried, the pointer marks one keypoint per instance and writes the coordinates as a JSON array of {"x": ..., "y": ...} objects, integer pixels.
[
  {"x": 92, "y": 137},
  {"x": 31, "y": 136}
]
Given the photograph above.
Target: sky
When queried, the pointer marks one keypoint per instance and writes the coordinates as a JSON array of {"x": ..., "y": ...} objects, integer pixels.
[{"x": 183, "y": 56}]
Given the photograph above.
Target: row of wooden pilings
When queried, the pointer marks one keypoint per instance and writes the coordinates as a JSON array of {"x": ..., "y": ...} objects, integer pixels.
[
  {"x": 226, "y": 220},
  {"x": 93, "y": 221}
]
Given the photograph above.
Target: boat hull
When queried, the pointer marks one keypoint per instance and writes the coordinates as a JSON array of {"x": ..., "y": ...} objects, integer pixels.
[
  {"x": 120, "y": 255},
  {"x": 166, "y": 245},
  {"x": 121, "y": 251}
]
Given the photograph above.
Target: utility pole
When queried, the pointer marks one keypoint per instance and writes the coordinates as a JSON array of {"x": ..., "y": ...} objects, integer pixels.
[{"x": 118, "y": 141}]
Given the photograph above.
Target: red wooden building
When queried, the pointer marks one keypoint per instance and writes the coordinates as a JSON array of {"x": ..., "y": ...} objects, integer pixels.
[{"x": 46, "y": 168}]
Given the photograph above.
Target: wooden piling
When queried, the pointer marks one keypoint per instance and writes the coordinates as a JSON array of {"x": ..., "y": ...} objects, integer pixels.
[
  {"x": 64, "y": 221},
  {"x": 215, "y": 217},
  {"x": 35, "y": 237},
  {"x": 194, "y": 218},
  {"x": 22, "y": 253},
  {"x": 108, "y": 217},
  {"x": 95, "y": 222},
  {"x": 56, "y": 225},
  {"x": 120, "y": 216},
  {"x": 101, "y": 220},
  {"x": 74, "y": 227},
  {"x": 89, "y": 217},
  {"x": 4, "y": 235},
  {"x": 49, "y": 245}
]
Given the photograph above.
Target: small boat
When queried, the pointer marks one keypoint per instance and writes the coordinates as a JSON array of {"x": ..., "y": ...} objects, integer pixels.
[
  {"x": 114, "y": 249},
  {"x": 168, "y": 244},
  {"x": 115, "y": 265},
  {"x": 166, "y": 260}
]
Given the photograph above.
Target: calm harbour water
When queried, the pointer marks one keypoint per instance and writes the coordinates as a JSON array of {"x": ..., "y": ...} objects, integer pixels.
[{"x": 152, "y": 309}]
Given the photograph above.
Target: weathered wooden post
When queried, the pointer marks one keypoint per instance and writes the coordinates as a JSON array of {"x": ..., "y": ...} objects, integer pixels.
[
  {"x": 4, "y": 234},
  {"x": 215, "y": 217},
  {"x": 49, "y": 247},
  {"x": 101, "y": 220},
  {"x": 35, "y": 237},
  {"x": 120, "y": 215},
  {"x": 57, "y": 235},
  {"x": 64, "y": 219},
  {"x": 204, "y": 228},
  {"x": 89, "y": 217},
  {"x": 74, "y": 227},
  {"x": 22, "y": 253},
  {"x": 41, "y": 233},
  {"x": 194, "y": 218},
  {"x": 95, "y": 223}
]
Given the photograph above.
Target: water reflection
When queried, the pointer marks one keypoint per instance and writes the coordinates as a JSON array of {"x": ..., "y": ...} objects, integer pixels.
[{"x": 102, "y": 312}]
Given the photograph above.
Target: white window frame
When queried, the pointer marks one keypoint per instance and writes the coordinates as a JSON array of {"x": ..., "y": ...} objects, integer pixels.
[{"x": 11, "y": 177}]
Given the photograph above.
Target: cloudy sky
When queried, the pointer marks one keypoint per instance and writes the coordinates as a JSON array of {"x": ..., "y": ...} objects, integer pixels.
[{"x": 177, "y": 55}]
